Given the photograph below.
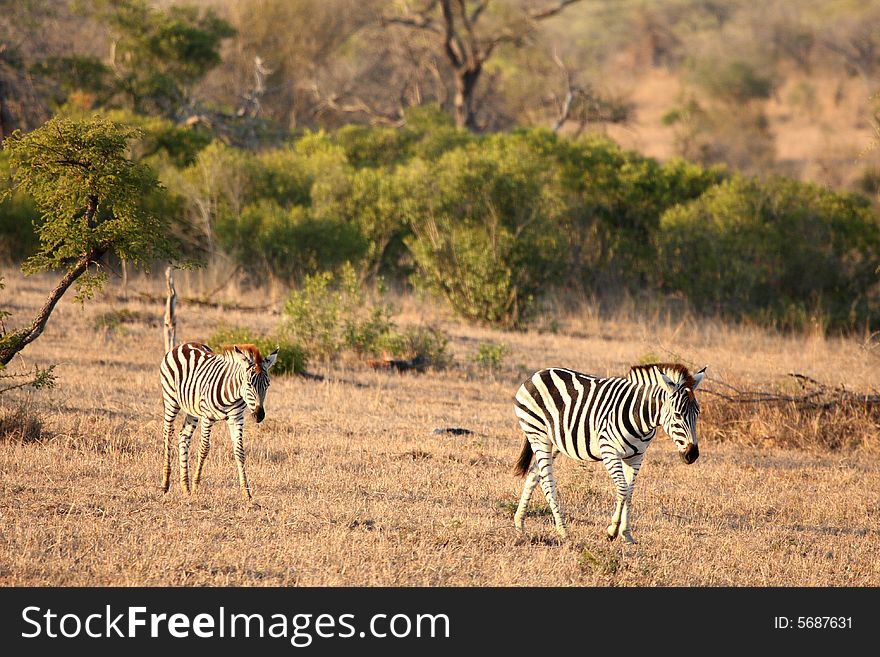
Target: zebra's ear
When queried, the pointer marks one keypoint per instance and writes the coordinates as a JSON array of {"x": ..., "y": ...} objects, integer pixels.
[
  {"x": 269, "y": 360},
  {"x": 243, "y": 357},
  {"x": 668, "y": 383},
  {"x": 698, "y": 377}
]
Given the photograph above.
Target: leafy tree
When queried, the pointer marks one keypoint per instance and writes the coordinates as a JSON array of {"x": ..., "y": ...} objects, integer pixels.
[
  {"x": 486, "y": 228},
  {"x": 158, "y": 55},
  {"x": 90, "y": 196}
]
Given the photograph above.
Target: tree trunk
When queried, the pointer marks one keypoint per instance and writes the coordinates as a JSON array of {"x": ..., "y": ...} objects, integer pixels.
[
  {"x": 15, "y": 342},
  {"x": 170, "y": 315},
  {"x": 465, "y": 83}
]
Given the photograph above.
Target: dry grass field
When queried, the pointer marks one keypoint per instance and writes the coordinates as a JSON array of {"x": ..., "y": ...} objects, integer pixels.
[{"x": 351, "y": 487}]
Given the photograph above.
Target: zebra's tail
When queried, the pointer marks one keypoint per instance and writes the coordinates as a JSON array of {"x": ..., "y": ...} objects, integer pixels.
[{"x": 525, "y": 459}]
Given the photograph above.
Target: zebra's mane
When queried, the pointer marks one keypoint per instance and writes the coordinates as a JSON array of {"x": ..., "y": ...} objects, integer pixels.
[
  {"x": 675, "y": 371},
  {"x": 249, "y": 349}
]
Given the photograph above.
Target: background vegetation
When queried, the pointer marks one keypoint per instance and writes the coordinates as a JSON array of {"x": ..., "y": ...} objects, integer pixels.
[
  {"x": 589, "y": 183},
  {"x": 283, "y": 161}
]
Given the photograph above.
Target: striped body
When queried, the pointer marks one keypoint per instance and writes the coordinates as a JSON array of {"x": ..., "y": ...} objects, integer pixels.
[
  {"x": 209, "y": 387},
  {"x": 612, "y": 420}
]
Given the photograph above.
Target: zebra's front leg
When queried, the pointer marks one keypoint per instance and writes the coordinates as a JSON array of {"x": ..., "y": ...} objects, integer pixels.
[
  {"x": 236, "y": 433},
  {"x": 519, "y": 518},
  {"x": 168, "y": 434},
  {"x": 544, "y": 466},
  {"x": 183, "y": 442},
  {"x": 630, "y": 470},
  {"x": 204, "y": 447}
]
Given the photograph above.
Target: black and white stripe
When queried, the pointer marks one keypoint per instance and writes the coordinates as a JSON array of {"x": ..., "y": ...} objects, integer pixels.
[
  {"x": 612, "y": 420},
  {"x": 211, "y": 387}
]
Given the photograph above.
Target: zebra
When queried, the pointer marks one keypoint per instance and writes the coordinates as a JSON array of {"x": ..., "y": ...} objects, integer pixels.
[
  {"x": 211, "y": 387},
  {"x": 602, "y": 419}
]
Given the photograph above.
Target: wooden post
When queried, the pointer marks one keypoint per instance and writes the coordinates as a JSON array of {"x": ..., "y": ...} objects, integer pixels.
[
  {"x": 170, "y": 316},
  {"x": 124, "y": 279}
]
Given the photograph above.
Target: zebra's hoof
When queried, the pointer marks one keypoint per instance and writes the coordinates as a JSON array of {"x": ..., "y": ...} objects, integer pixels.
[
  {"x": 611, "y": 532},
  {"x": 628, "y": 538},
  {"x": 563, "y": 533}
]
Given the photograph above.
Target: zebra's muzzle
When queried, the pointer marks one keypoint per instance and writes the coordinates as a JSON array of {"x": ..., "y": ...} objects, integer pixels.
[
  {"x": 259, "y": 414},
  {"x": 690, "y": 454}
]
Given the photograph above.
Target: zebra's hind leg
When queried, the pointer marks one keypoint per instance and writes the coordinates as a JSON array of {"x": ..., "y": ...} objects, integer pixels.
[
  {"x": 204, "y": 447},
  {"x": 623, "y": 474},
  {"x": 544, "y": 456},
  {"x": 630, "y": 470},
  {"x": 171, "y": 411},
  {"x": 189, "y": 427},
  {"x": 519, "y": 517}
]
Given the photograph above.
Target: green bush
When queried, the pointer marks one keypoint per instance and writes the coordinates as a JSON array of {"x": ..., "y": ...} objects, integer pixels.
[
  {"x": 779, "y": 251},
  {"x": 114, "y": 321},
  {"x": 377, "y": 205},
  {"x": 485, "y": 231},
  {"x": 282, "y": 175},
  {"x": 18, "y": 237},
  {"x": 490, "y": 356},
  {"x": 373, "y": 147},
  {"x": 292, "y": 358},
  {"x": 331, "y": 314},
  {"x": 328, "y": 315},
  {"x": 289, "y": 244},
  {"x": 423, "y": 344}
]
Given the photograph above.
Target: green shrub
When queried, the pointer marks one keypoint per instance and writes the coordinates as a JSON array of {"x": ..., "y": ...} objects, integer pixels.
[
  {"x": 426, "y": 345},
  {"x": 490, "y": 356},
  {"x": 288, "y": 244},
  {"x": 373, "y": 147},
  {"x": 377, "y": 205},
  {"x": 779, "y": 251},
  {"x": 329, "y": 314},
  {"x": 18, "y": 237},
  {"x": 485, "y": 232},
  {"x": 114, "y": 321},
  {"x": 282, "y": 175},
  {"x": 292, "y": 358}
]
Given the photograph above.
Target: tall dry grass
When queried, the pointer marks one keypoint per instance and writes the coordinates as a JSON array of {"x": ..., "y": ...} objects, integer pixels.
[{"x": 352, "y": 487}]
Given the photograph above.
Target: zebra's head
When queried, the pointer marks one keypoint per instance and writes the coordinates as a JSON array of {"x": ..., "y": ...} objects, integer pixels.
[
  {"x": 680, "y": 410},
  {"x": 256, "y": 377}
]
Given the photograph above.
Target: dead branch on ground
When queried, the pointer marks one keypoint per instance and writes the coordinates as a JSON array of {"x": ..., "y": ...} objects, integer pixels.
[{"x": 815, "y": 395}]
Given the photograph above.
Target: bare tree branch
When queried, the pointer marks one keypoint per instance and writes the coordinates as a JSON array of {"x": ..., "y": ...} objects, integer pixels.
[
  {"x": 356, "y": 106},
  {"x": 551, "y": 11},
  {"x": 465, "y": 49},
  {"x": 817, "y": 395}
]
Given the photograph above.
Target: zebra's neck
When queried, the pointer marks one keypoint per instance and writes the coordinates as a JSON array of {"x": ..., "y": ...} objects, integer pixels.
[
  {"x": 650, "y": 395},
  {"x": 646, "y": 407},
  {"x": 233, "y": 377}
]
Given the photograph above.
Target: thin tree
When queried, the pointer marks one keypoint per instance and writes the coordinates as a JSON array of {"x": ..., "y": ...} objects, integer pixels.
[
  {"x": 89, "y": 193},
  {"x": 467, "y": 47}
]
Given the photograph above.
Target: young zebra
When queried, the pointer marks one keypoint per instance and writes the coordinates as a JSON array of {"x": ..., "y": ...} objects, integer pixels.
[
  {"x": 211, "y": 387},
  {"x": 611, "y": 420}
]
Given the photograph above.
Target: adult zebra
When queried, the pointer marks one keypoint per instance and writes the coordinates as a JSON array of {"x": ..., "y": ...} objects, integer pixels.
[
  {"x": 211, "y": 387},
  {"x": 603, "y": 419}
]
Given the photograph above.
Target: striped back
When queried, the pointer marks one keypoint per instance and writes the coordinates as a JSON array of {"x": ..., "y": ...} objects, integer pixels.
[{"x": 210, "y": 385}]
